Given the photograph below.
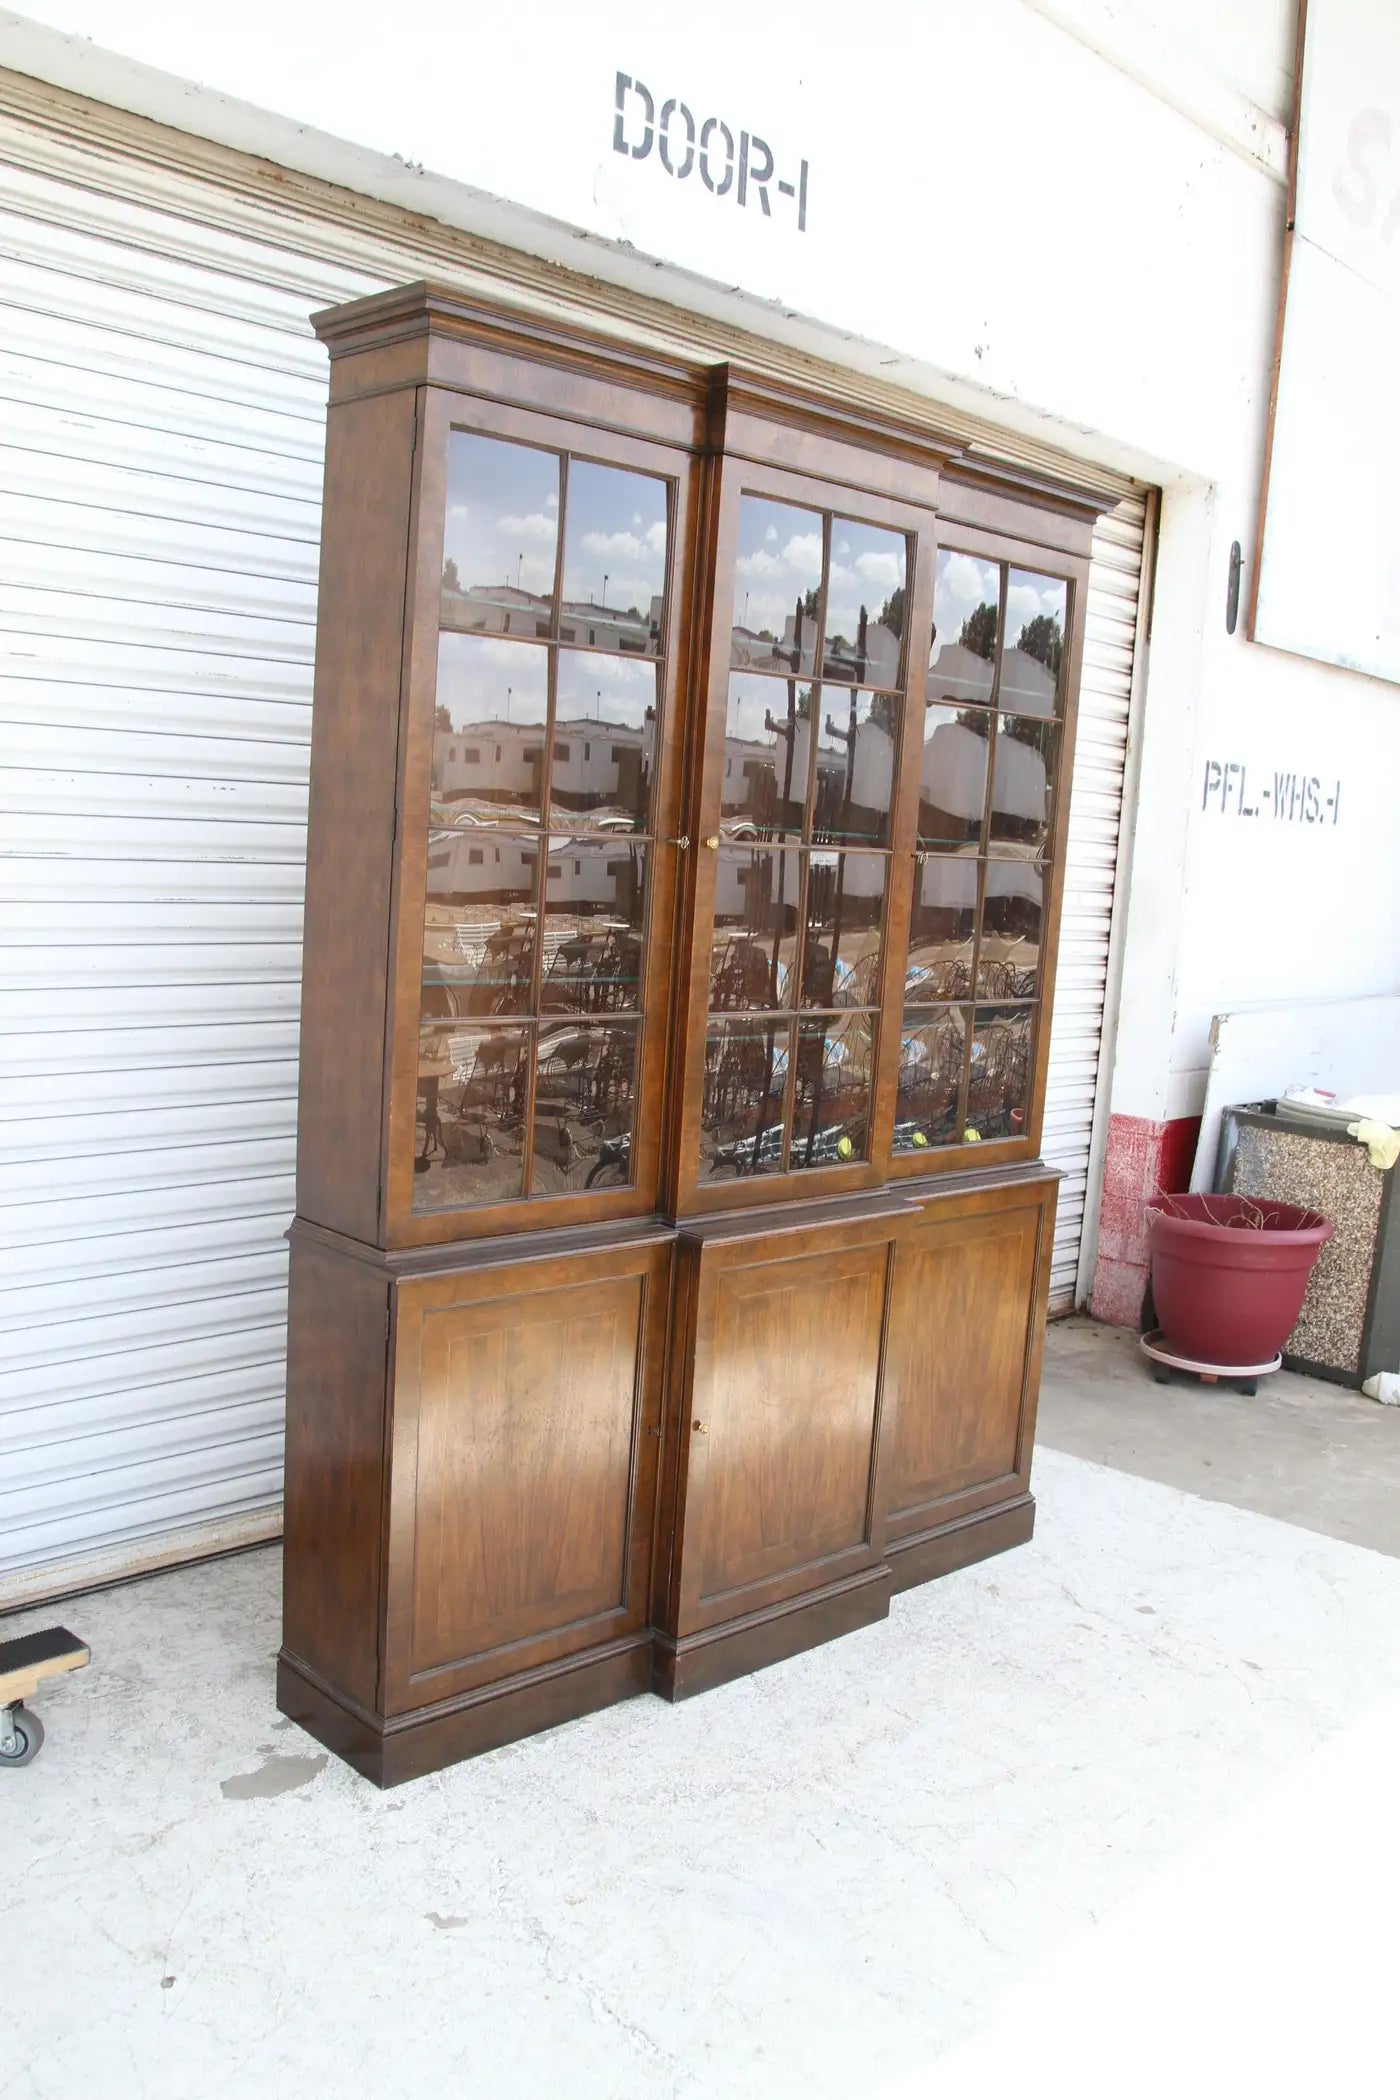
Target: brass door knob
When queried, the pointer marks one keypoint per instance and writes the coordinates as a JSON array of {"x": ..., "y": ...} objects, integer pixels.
[
  {"x": 713, "y": 843},
  {"x": 700, "y": 1428}
]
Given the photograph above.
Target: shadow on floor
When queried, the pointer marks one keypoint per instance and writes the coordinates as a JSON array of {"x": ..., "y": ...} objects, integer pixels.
[{"x": 1302, "y": 1449}]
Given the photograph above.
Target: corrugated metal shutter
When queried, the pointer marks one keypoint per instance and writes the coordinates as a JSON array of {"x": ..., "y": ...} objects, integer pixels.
[
  {"x": 1095, "y": 812},
  {"x": 160, "y": 461}
]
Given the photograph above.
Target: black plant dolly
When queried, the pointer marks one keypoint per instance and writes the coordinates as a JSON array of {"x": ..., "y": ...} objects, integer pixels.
[{"x": 24, "y": 1664}]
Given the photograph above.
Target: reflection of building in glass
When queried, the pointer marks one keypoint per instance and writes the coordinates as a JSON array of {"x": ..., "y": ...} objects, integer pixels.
[
  {"x": 855, "y": 766},
  {"x": 485, "y": 608},
  {"x": 961, "y": 676},
  {"x": 869, "y": 657},
  {"x": 953, "y": 785},
  {"x": 1027, "y": 687},
  {"x": 765, "y": 779},
  {"x": 597, "y": 765}
]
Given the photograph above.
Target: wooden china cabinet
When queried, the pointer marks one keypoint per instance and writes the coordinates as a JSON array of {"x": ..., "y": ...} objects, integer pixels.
[{"x": 688, "y": 795}]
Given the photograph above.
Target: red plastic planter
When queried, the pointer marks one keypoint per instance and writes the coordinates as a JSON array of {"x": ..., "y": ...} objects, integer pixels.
[{"x": 1227, "y": 1292}]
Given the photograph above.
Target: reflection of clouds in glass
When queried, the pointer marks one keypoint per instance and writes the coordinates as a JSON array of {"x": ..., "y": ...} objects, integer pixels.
[
  {"x": 609, "y": 689},
  {"x": 963, "y": 584},
  {"x": 625, "y": 546},
  {"x": 502, "y": 507},
  {"x": 536, "y": 526},
  {"x": 779, "y": 560},
  {"x": 614, "y": 537},
  {"x": 868, "y": 566},
  {"x": 758, "y": 564},
  {"x": 1023, "y": 604},
  {"x": 481, "y": 679},
  {"x": 803, "y": 555},
  {"x": 886, "y": 569},
  {"x": 1031, "y": 598}
]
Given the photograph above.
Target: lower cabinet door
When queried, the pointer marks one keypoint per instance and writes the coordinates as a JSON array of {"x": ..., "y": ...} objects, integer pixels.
[
  {"x": 967, "y": 1322},
  {"x": 526, "y": 1427},
  {"x": 778, "y": 1428}
]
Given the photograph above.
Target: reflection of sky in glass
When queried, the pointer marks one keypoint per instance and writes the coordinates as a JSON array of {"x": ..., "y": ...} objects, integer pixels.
[
  {"x": 481, "y": 679},
  {"x": 1030, "y": 598},
  {"x": 1028, "y": 684},
  {"x": 867, "y": 567},
  {"x": 961, "y": 585},
  {"x": 780, "y": 559},
  {"x": 614, "y": 533},
  {"x": 502, "y": 520},
  {"x": 611, "y": 689}
]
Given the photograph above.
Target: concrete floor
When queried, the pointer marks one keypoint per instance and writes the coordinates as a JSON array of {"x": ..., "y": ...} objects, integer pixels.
[
  {"x": 1302, "y": 1449},
  {"x": 842, "y": 1877}
]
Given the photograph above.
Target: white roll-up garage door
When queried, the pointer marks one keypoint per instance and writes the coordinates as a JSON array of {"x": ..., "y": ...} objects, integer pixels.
[
  {"x": 160, "y": 464},
  {"x": 1111, "y": 651}
]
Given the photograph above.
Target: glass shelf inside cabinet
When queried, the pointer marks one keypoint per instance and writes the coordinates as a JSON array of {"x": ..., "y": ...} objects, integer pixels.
[
  {"x": 541, "y": 805},
  {"x": 814, "y": 717}
]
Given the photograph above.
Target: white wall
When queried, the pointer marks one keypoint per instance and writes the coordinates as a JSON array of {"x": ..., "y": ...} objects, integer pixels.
[{"x": 1064, "y": 213}]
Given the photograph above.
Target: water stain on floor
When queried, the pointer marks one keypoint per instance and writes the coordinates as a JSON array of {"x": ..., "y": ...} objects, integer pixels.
[{"x": 275, "y": 1775}]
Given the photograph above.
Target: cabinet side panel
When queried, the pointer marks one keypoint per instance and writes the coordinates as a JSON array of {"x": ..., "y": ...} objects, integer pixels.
[
  {"x": 336, "y": 1354},
  {"x": 354, "y": 763}
]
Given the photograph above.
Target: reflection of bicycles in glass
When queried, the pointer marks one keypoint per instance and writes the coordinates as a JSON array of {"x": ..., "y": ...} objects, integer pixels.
[
  {"x": 465, "y": 1123},
  {"x": 1005, "y": 980},
  {"x": 741, "y": 977},
  {"x": 751, "y": 1155},
  {"x": 938, "y": 982},
  {"x": 833, "y": 1147},
  {"x": 595, "y": 972},
  {"x": 999, "y": 1078},
  {"x": 613, "y": 1166}
]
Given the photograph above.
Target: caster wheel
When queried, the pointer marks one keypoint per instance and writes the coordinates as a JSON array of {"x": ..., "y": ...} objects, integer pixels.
[
  {"x": 28, "y": 1735},
  {"x": 1161, "y": 1377},
  {"x": 1247, "y": 1387}
]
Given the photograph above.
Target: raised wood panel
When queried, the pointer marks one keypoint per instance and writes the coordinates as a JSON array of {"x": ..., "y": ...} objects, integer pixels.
[
  {"x": 790, "y": 1400},
  {"x": 963, "y": 1314},
  {"x": 526, "y": 1429}
]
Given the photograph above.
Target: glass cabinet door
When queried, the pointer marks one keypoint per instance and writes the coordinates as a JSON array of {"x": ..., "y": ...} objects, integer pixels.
[
  {"x": 993, "y": 728},
  {"x": 813, "y": 699},
  {"x": 551, "y": 665}
]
